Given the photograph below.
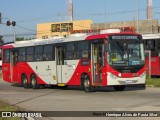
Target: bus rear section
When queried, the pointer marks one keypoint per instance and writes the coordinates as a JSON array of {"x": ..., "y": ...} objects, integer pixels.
[{"x": 152, "y": 53}]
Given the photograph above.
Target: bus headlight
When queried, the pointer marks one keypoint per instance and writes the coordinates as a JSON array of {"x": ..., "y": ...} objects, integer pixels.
[{"x": 119, "y": 74}]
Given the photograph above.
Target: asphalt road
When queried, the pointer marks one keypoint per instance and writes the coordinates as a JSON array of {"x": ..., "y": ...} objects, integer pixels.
[{"x": 75, "y": 99}]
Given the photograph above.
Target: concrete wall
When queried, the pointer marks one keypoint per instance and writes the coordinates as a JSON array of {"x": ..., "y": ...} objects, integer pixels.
[{"x": 145, "y": 26}]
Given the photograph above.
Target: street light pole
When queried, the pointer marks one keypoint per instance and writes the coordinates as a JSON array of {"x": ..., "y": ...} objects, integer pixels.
[
  {"x": 105, "y": 12},
  {"x": 137, "y": 16},
  {"x": 14, "y": 32}
]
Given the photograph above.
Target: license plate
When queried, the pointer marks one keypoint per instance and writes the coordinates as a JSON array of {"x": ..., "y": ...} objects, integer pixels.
[{"x": 129, "y": 81}]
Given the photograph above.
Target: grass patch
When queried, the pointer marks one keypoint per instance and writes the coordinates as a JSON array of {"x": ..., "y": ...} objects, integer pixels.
[
  {"x": 153, "y": 82},
  {"x": 6, "y": 107}
]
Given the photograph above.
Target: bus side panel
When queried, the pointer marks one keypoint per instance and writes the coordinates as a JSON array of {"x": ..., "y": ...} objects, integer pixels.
[
  {"x": 6, "y": 72},
  {"x": 80, "y": 69},
  {"x": 45, "y": 71},
  {"x": 68, "y": 70},
  {"x": 155, "y": 66},
  {"x": 85, "y": 69},
  {"x": 71, "y": 74},
  {"x": 104, "y": 76},
  {"x": 25, "y": 68},
  {"x": 22, "y": 68}
]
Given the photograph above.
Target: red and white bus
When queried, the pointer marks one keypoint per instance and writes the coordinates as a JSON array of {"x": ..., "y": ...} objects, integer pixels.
[
  {"x": 108, "y": 59},
  {"x": 152, "y": 44}
]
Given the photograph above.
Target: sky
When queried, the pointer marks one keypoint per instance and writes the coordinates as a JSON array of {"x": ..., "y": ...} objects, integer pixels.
[{"x": 29, "y": 13}]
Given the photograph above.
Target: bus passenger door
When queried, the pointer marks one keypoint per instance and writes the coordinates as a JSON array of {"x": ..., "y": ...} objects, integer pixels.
[
  {"x": 13, "y": 66},
  {"x": 97, "y": 63},
  {"x": 59, "y": 63}
]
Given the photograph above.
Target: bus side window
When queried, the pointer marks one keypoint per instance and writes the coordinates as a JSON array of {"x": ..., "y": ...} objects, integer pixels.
[
  {"x": 29, "y": 54},
  {"x": 22, "y": 55},
  {"x": 82, "y": 50},
  {"x": 6, "y": 56},
  {"x": 70, "y": 51},
  {"x": 47, "y": 53},
  {"x": 78, "y": 54},
  {"x": 158, "y": 47},
  {"x": 38, "y": 53},
  {"x": 151, "y": 46},
  {"x": 0, "y": 54},
  {"x": 15, "y": 58}
]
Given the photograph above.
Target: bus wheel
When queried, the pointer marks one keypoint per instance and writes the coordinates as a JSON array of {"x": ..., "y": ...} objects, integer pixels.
[
  {"x": 86, "y": 84},
  {"x": 119, "y": 87},
  {"x": 34, "y": 82},
  {"x": 25, "y": 81},
  {"x": 64, "y": 87}
]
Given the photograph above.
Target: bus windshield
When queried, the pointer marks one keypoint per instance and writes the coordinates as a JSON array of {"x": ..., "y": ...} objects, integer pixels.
[{"x": 125, "y": 53}]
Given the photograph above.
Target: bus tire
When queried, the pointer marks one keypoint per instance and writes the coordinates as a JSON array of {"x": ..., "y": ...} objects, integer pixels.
[
  {"x": 25, "y": 81},
  {"x": 86, "y": 84},
  {"x": 142, "y": 86},
  {"x": 64, "y": 87},
  {"x": 119, "y": 87},
  {"x": 34, "y": 82}
]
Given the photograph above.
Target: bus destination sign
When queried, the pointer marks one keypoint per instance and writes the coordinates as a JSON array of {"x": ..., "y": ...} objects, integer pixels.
[{"x": 124, "y": 37}]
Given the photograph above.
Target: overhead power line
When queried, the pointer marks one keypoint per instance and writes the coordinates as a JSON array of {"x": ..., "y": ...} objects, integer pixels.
[
  {"x": 26, "y": 28},
  {"x": 89, "y": 14},
  {"x": 20, "y": 34}
]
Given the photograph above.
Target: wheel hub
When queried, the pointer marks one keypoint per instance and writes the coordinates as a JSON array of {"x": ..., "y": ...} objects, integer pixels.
[
  {"x": 25, "y": 81},
  {"x": 86, "y": 83},
  {"x": 33, "y": 82}
]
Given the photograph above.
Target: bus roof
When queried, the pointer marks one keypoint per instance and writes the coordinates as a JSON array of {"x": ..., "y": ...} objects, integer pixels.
[
  {"x": 74, "y": 37},
  {"x": 151, "y": 36}
]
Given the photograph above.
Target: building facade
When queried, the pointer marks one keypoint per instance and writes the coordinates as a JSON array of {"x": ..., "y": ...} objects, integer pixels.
[
  {"x": 47, "y": 30},
  {"x": 53, "y": 29}
]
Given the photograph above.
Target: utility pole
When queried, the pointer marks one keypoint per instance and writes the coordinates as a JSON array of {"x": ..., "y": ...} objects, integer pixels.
[
  {"x": 105, "y": 14},
  {"x": 0, "y": 18},
  {"x": 149, "y": 10},
  {"x": 137, "y": 16},
  {"x": 70, "y": 9}
]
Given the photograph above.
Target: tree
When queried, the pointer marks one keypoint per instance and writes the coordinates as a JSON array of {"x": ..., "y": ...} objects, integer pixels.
[
  {"x": 1, "y": 40},
  {"x": 19, "y": 38},
  {"x": 23, "y": 39}
]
